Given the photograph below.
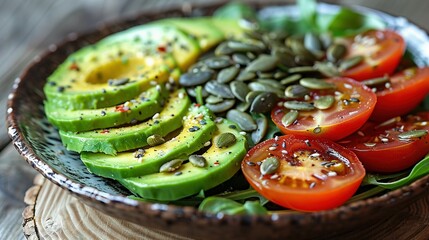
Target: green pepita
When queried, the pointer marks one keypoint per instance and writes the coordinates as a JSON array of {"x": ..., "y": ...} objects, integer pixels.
[
  {"x": 296, "y": 91},
  {"x": 171, "y": 166},
  {"x": 313, "y": 44},
  {"x": 263, "y": 87},
  {"x": 191, "y": 79},
  {"x": 324, "y": 102},
  {"x": 223, "y": 49},
  {"x": 317, "y": 84},
  {"x": 243, "y": 120},
  {"x": 376, "y": 81},
  {"x": 218, "y": 89},
  {"x": 291, "y": 79},
  {"x": 298, "y": 105},
  {"x": 261, "y": 130},
  {"x": 213, "y": 99},
  {"x": 240, "y": 90},
  {"x": 264, "y": 102},
  {"x": 289, "y": 118},
  {"x": 217, "y": 63},
  {"x": 305, "y": 69},
  {"x": 263, "y": 63},
  {"x": 336, "y": 52},
  {"x": 327, "y": 69},
  {"x": 155, "y": 140},
  {"x": 244, "y": 47},
  {"x": 227, "y": 74},
  {"x": 413, "y": 134},
  {"x": 241, "y": 59},
  {"x": 222, "y": 106},
  {"x": 198, "y": 160},
  {"x": 243, "y": 106},
  {"x": 269, "y": 165},
  {"x": 245, "y": 76},
  {"x": 350, "y": 62},
  {"x": 225, "y": 140},
  {"x": 252, "y": 95}
]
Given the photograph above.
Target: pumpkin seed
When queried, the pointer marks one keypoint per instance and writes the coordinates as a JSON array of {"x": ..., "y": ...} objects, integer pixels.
[
  {"x": 155, "y": 140},
  {"x": 413, "y": 134},
  {"x": 263, "y": 87},
  {"x": 327, "y": 69},
  {"x": 213, "y": 99},
  {"x": 191, "y": 79},
  {"x": 289, "y": 118},
  {"x": 223, "y": 49},
  {"x": 245, "y": 76},
  {"x": 350, "y": 62},
  {"x": 240, "y": 90},
  {"x": 218, "y": 89},
  {"x": 227, "y": 74},
  {"x": 317, "y": 84},
  {"x": 305, "y": 69},
  {"x": 265, "y": 74},
  {"x": 248, "y": 23},
  {"x": 326, "y": 40},
  {"x": 269, "y": 165},
  {"x": 336, "y": 52},
  {"x": 218, "y": 62},
  {"x": 221, "y": 107},
  {"x": 302, "y": 60},
  {"x": 225, "y": 140},
  {"x": 171, "y": 166},
  {"x": 118, "y": 82},
  {"x": 284, "y": 57},
  {"x": 261, "y": 130},
  {"x": 376, "y": 81},
  {"x": 298, "y": 105},
  {"x": 291, "y": 79},
  {"x": 263, "y": 63},
  {"x": 241, "y": 59},
  {"x": 198, "y": 161},
  {"x": 299, "y": 49},
  {"x": 244, "y": 47},
  {"x": 280, "y": 75},
  {"x": 243, "y": 120},
  {"x": 313, "y": 44},
  {"x": 191, "y": 92},
  {"x": 264, "y": 102},
  {"x": 296, "y": 91},
  {"x": 243, "y": 106},
  {"x": 252, "y": 95},
  {"x": 324, "y": 102},
  {"x": 271, "y": 82},
  {"x": 254, "y": 35}
]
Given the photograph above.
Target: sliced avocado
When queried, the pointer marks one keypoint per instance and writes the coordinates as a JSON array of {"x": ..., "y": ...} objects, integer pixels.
[
  {"x": 119, "y": 67},
  {"x": 130, "y": 137},
  {"x": 204, "y": 31},
  {"x": 229, "y": 27},
  {"x": 140, "y": 108},
  {"x": 222, "y": 164},
  {"x": 198, "y": 128}
]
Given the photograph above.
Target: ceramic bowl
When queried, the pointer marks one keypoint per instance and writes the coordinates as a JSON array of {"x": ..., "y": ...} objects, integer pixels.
[{"x": 39, "y": 143}]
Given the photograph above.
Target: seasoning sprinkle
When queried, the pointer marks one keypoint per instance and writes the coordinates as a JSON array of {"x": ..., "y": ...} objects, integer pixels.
[{"x": 194, "y": 129}]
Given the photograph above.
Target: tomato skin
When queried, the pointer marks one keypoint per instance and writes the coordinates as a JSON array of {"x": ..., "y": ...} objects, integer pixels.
[
  {"x": 336, "y": 122},
  {"x": 380, "y": 58},
  {"x": 328, "y": 194},
  {"x": 395, "y": 155},
  {"x": 408, "y": 89}
]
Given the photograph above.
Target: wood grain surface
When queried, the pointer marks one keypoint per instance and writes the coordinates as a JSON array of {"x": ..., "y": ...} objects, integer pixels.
[{"x": 27, "y": 28}]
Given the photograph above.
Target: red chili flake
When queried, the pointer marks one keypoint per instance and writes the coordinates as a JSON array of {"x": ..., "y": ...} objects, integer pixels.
[
  {"x": 105, "y": 131},
  {"x": 197, "y": 105},
  {"x": 74, "y": 66},
  {"x": 121, "y": 108},
  {"x": 162, "y": 49},
  {"x": 216, "y": 163}
]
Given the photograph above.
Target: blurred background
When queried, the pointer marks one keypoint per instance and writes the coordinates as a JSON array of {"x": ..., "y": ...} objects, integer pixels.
[{"x": 28, "y": 27}]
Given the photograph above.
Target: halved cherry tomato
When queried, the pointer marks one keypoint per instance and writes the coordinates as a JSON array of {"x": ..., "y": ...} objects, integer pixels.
[
  {"x": 312, "y": 174},
  {"x": 403, "y": 93},
  {"x": 354, "y": 103},
  {"x": 382, "y": 149},
  {"x": 382, "y": 50}
]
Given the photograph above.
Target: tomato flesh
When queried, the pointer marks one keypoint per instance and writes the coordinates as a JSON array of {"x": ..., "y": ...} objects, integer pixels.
[
  {"x": 381, "y": 149},
  {"x": 404, "y": 92},
  {"x": 382, "y": 51},
  {"x": 313, "y": 174},
  {"x": 353, "y": 105}
]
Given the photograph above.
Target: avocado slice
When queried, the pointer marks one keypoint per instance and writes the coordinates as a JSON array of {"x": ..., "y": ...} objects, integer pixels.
[
  {"x": 120, "y": 67},
  {"x": 130, "y": 137},
  {"x": 229, "y": 27},
  {"x": 222, "y": 164},
  {"x": 198, "y": 128},
  {"x": 140, "y": 108},
  {"x": 204, "y": 31}
]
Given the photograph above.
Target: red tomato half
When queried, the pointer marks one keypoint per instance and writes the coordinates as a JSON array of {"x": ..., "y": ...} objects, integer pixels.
[
  {"x": 382, "y": 50},
  {"x": 382, "y": 149},
  {"x": 354, "y": 103},
  {"x": 311, "y": 175},
  {"x": 404, "y": 92}
]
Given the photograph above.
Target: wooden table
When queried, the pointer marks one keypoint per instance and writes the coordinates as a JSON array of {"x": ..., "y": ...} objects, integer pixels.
[{"x": 29, "y": 27}]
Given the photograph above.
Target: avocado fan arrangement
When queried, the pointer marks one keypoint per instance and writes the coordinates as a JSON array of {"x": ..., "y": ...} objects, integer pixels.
[{"x": 169, "y": 109}]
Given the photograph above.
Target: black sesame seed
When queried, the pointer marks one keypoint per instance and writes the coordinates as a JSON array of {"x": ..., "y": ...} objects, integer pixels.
[
  {"x": 203, "y": 122},
  {"x": 232, "y": 126},
  {"x": 60, "y": 89},
  {"x": 52, "y": 83},
  {"x": 177, "y": 173},
  {"x": 194, "y": 129},
  {"x": 103, "y": 113}
]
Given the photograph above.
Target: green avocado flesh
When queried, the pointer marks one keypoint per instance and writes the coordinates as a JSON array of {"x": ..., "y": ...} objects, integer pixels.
[
  {"x": 198, "y": 128},
  {"x": 206, "y": 34},
  {"x": 229, "y": 27},
  {"x": 137, "y": 56},
  {"x": 140, "y": 108},
  {"x": 222, "y": 164},
  {"x": 134, "y": 136}
]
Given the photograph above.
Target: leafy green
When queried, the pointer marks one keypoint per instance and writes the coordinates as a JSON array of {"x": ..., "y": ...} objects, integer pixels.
[
  {"x": 419, "y": 170},
  {"x": 199, "y": 95},
  {"x": 308, "y": 11},
  {"x": 235, "y": 10},
  {"x": 243, "y": 195},
  {"x": 228, "y": 206}
]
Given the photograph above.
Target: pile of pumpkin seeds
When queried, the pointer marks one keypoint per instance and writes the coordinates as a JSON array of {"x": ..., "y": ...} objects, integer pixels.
[{"x": 243, "y": 80}]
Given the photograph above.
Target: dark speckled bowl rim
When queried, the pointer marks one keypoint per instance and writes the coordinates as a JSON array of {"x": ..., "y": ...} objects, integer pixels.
[{"x": 94, "y": 197}]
